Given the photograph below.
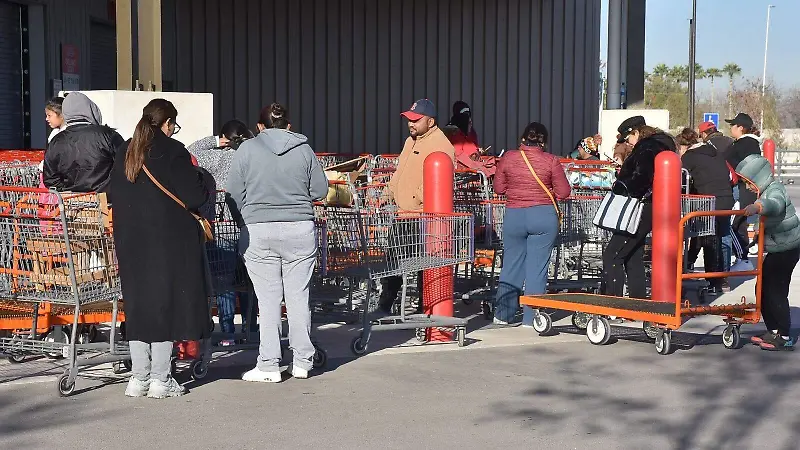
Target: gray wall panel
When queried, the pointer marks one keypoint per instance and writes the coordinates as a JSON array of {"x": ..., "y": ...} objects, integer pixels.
[{"x": 347, "y": 68}]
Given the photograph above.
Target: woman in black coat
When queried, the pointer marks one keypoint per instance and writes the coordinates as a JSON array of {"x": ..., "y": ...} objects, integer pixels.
[
  {"x": 159, "y": 247},
  {"x": 623, "y": 256}
]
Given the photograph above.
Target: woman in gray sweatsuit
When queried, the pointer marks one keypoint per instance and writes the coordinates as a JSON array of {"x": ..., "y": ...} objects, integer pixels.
[{"x": 274, "y": 179}]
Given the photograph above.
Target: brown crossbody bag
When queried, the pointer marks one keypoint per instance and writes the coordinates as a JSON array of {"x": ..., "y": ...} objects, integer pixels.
[
  {"x": 205, "y": 225},
  {"x": 546, "y": 190}
]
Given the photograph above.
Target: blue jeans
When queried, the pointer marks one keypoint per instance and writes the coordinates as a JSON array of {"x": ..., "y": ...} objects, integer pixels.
[
  {"x": 528, "y": 238},
  {"x": 226, "y": 310},
  {"x": 223, "y": 258}
]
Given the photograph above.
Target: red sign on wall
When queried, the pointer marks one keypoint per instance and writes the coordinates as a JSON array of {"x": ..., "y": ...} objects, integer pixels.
[{"x": 70, "y": 57}]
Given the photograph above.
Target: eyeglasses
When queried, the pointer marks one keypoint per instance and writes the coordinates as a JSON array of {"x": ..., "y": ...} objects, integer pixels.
[{"x": 176, "y": 129}]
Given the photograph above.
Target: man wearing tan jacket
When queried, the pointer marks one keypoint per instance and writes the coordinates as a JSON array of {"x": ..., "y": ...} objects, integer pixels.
[{"x": 405, "y": 187}]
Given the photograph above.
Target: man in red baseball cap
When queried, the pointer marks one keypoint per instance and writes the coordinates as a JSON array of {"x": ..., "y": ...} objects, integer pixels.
[{"x": 709, "y": 133}]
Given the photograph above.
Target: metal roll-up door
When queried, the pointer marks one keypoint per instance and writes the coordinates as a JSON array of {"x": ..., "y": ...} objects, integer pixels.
[
  {"x": 12, "y": 133},
  {"x": 103, "y": 56}
]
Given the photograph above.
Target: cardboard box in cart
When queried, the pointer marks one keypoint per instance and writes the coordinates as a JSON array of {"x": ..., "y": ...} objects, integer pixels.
[{"x": 123, "y": 109}]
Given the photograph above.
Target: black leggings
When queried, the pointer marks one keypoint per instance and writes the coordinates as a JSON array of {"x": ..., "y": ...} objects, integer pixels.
[
  {"x": 624, "y": 257},
  {"x": 777, "y": 274}
]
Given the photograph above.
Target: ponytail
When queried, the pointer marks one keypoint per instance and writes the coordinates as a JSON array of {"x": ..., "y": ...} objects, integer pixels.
[
  {"x": 154, "y": 115},
  {"x": 140, "y": 143}
]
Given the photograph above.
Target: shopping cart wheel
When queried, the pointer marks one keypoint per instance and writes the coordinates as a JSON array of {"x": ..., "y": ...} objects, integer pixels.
[
  {"x": 580, "y": 320},
  {"x": 118, "y": 368},
  {"x": 358, "y": 346},
  {"x": 461, "y": 334},
  {"x": 320, "y": 359},
  {"x": 16, "y": 358},
  {"x": 486, "y": 309},
  {"x": 420, "y": 334},
  {"x": 598, "y": 330},
  {"x": 650, "y": 330},
  {"x": 65, "y": 387},
  {"x": 199, "y": 369},
  {"x": 664, "y": 342},
  {"x": 466, "y": 300},
  {"x": 173, "y": 366},
  {"x": 542, "y": 323},
  {"x": 731, "y": 337}
]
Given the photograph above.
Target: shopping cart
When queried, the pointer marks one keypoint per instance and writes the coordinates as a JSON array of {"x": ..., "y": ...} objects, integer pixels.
[
  {"x": 24, "y": 173},
  {"x": 63, "y": 255},
  {"x": 379, "y": 244}
]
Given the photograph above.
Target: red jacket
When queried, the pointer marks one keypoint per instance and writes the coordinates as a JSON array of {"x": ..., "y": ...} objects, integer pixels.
[
  {"x": 514, "y": 179},
  {"x": 467, "y": 155}
]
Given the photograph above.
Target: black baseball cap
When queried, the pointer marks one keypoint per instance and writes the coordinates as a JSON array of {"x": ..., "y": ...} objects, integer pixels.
[
  {"x": 628, "y": 125},
  {"x": 420, "y": 108},
  {"x": 741, "y": 119}
]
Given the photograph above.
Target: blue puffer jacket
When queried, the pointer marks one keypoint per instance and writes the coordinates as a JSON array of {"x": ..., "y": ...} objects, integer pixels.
[{"x": 781, "y": 224}]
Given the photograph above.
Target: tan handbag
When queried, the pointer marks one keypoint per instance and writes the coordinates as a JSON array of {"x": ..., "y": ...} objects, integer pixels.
[
  {"x": 546, "y": 190},
  {"x": 338, "y": 189},
  {"x": 208, "y": 233}
]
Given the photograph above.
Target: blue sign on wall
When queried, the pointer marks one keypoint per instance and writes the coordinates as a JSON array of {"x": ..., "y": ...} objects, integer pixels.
[{"x": 711, "y": 117}]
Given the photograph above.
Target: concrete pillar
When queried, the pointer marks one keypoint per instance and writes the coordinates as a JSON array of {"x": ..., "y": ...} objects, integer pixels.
[
  {"x": 124, "y": 46},
  {"x": 614, "y": 53},
  {"x": 149, "y": 14}
]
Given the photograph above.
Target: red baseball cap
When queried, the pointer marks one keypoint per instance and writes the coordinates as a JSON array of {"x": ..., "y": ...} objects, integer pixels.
[
  {"x": 705, "y": 126},
  {"x": 420, "y": 108}
]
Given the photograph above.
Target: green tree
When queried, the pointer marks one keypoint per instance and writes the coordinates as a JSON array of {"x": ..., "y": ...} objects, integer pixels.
[{"x": 732, "y": 70}]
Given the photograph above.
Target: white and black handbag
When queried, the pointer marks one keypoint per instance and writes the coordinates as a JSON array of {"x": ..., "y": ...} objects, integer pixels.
[{"x": 619, "y": 213}]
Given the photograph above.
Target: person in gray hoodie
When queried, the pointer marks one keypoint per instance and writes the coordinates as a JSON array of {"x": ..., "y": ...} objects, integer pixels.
[
  {"x": 215, "y": 154},
  {"x": 274, "y": 180},
  {"x": 782, "y": 244}
]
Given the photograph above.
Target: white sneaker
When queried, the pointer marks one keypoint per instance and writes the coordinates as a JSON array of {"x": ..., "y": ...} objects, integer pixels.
[
  {"x": 298, "y": 372},
  {"x": 137, "y": 387},
  {"x": 497, "y": 321},
  {"x": 258, "y": 375},
  {"x": 160, "y": 389}
]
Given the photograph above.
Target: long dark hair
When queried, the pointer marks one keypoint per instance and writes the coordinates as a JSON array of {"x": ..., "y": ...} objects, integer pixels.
[
  {"x": 535, "y": 135},
  {"x": 236, "y": 132},
  {"x": 274, "y": 116},
  {"x": 154, "y": 115}
]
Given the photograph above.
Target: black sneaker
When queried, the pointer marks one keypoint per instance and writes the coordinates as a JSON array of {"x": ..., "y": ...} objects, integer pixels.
[
  {"x": 777, "y": 343},
  {"x": 757, "y": 340}
]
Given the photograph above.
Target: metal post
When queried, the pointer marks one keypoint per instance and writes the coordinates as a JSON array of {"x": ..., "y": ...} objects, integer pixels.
[
  {"x": 438, "y": 173},
  {"x": 614, "y": 54},
  {"x": 692, "y": 61},
  {"x": 764, "y": 76},
  {"x": 623, "y": 62},
  {"x": 666, "y": 217}
]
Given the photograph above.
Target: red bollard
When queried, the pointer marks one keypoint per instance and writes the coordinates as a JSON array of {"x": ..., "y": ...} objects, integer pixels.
[
  {"x": 437, "y": 287},
  {"x": 666, "y": 218},
  {"x": 769, "y": 152}
]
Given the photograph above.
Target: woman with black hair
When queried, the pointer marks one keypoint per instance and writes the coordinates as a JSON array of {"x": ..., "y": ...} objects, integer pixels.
[
  {"x": 532, "y": 180},
  {"x": 465, "y": 140},
  {"x": 214, "y": 154}
]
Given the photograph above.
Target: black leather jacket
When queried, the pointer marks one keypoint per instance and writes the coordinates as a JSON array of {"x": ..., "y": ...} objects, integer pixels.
[
  {"x": 80, "y": 158},
  {"x": 636, "y": 173}
]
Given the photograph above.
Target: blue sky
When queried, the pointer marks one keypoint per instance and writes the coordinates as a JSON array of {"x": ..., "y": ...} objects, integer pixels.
[{"x": 727, "y": 31}]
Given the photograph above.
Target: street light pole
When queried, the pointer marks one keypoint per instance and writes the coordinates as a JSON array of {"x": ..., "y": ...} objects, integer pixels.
[
  {"x": 692, "y": 61},
  {"x": 764, "y": 76}
]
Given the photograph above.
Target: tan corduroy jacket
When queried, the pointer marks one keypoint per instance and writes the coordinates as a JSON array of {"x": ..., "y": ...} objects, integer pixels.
[{"x": 405, "y": 187}]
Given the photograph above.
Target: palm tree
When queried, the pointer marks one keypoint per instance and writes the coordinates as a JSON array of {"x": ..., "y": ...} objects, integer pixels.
[
  {"x": 661, "y": 70},
  {"x": 731, "y": 70},
  {"x": 679, "y": 73},
  {"x": 713, "y": 73}
]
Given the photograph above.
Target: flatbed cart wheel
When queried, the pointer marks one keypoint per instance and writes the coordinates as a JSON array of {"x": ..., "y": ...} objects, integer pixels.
[
  {"x": 664, "y": 342},
  {"x": 199, "y": 369},
  {"x": 65, "y": 388},
  {"x": 16, "y": 358},
  {"x": 598, "y": 330},
  {"x": 358, "y": 346},
  {"x": 580, "y": 320},
  {"x": 420, "y": 334},
  {"x": 320, "y": 359},
  {"x": 650, "y": 330},
  {"x": 731, "y": 338},
  {"x": 542, "y": 323},
  {"x": 461, "y": 334}
]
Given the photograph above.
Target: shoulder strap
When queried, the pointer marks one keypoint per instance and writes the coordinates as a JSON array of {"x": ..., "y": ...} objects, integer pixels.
[
  {"x": 546, "y": 190},
  {"x": 163, "y": 189}
]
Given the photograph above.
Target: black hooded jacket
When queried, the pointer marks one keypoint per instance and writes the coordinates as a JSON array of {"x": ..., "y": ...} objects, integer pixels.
[
  {"x": 636, "y": 173},
  {"x": 710, "y": 174}
]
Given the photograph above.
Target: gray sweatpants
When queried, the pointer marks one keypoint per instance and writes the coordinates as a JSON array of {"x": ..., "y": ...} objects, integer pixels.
[
  {"x": 151, "y": 360},
  {"x": 280, "y": 258}
]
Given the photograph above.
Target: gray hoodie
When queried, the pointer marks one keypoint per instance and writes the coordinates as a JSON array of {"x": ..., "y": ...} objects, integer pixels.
[
  {"x": 78, "y": 108},
  {"x": 275, "y": 177}
]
